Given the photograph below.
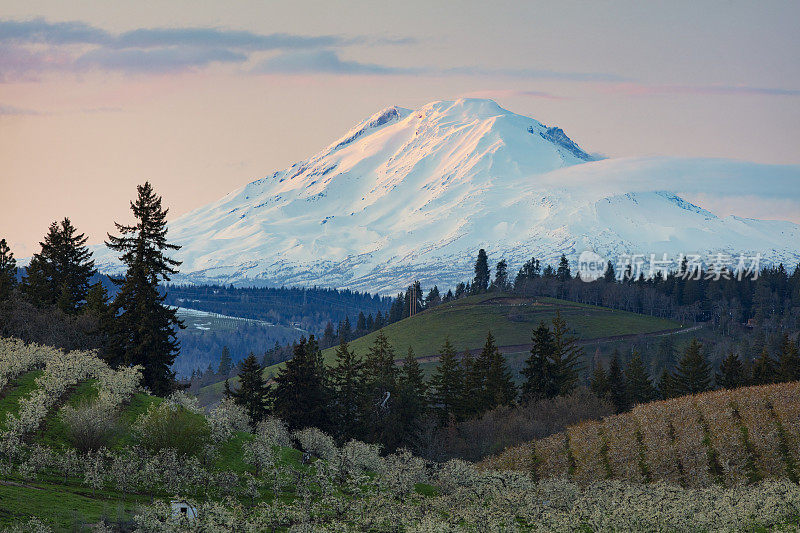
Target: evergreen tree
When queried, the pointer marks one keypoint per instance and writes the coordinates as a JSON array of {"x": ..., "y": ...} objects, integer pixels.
[
  {"x": 411, "y": 403},
  {"x": 501, "y": 276},
  {"x": 693, "y": 373},
  {"x": 434, "y": 298},
  {"x": 225, "y": 362},
  {"x": 253, "y": 392},
  {"x": 666, "y": 385},
  {"x": 610, "y": 276},
  {"x": 447, "y": 385},
  {"x": 563, "y": 273},
  {"x": 731, "y": 373},
  {"x": 598, "y": 383},
  {"x": 379, "y": 367},
  {"x": 347, "y": 385},
  {"x": 8, "y": 271},
  {"x": 473, "y": 387},
  {"x": 530, "y": 270},
  {"x": 499, "y": 388},
  {"x": 640, "y": 388},
  {"x": 361, "y": 323},
  {"x": 370, "y": 322},
  {"x": 788, "y": 361},
  {"x": 143, "y": 329},
  {"x": 565, "y": 357},
  {"x": 412, "y": 378},
  {"x": 617, "y": 385},
  {"x": 764, "y": 369},
  {"x": 328, "y": 337},
  {"x": 60, "y": 273},
  {"x": 461, "y": 290},
  {"x": 381, "y": 410},
  {"x": 345, "y": 331},
  {"x": 379, "y": 321},
  {"x": 301, "y": 395},
  {"x": 480, "y": 283},
  {"x": 538, "y": 372},
  {"x": 97, "y": 306}
]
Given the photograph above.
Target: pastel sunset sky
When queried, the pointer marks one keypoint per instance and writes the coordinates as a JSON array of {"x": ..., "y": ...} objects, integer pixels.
[{"x": 203, "y": 97}]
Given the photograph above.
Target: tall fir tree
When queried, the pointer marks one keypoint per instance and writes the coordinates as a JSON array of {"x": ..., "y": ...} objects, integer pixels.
[
  {"x": 499, "y": 388},
  {"x": 361, "y": 323},
  {"x": 301, "y": 395},
  {"x": 345, "y": 330},
  {"x": 598, "y": 383},
  {"x": 143, "y": 331},
  {"x": 473, "y": 387},
  {"x": 8, "y": 271},
  {"x": 563, "y": 272},
  {"x": 500, "y": 282},
  {"x": 617, "y": 385},
  {"x": 347, "y": 388},
  {"x": 566, "y": 357},
  {"x": 411, "y": 402},
  {"x": 764, "y": 368},
  {"x": 788, "y": 361},
  {"x": 61, "y": 272},
  {"x": 480, "y": 283},
  {"x": 380, "y": 321},
  {"x": 640, "y": 388},
  {"x": 666, "y": 385},
  {"x": 731, "y": 373},
  {"x": 411, "y": 378},
  {"x": 447, "y": 385},
  {"x": 329, "y": 336},
  {"x": 381, "y": 409},
  {"x": 433, "y": 298},
  {"x": 610, "y": 276},
  {"x": 225, "y": 362},
  {"x": 253, "y": 392},
  {"x": 693, "y": 373},
  {"x": 97, "y": 306},
  {"x": 538, "y": 370}
]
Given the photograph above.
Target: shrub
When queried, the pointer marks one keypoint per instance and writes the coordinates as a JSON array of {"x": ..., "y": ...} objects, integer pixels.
[
  {"x": 275, "y": 431},
  {"x": 316, "y": 442},
  {"x": 90, "y": 426},
  {"x": 226, "y": 419},
  {"x": 172, "y": 426},
  {"x": 504, "y": 426}
]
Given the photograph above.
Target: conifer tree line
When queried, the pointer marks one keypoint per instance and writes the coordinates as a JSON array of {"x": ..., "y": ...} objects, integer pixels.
[
  {"x": 377, "y": 400},
  {"x": 771, "y": 301},
  {"x": 135, "y": 327},
  {"x": 307, "y": 308},
  {"x": 693, "y": 374}
]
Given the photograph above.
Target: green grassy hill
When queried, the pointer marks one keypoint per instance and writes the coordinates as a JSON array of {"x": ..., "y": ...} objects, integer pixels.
[{"x": 510, "y": 319}]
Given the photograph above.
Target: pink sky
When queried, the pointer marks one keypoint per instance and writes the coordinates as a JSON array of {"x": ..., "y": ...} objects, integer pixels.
[{"x": 96, "y": 97}]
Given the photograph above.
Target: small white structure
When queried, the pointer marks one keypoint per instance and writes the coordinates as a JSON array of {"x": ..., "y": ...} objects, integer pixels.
[{"x": 182, "y": 509}]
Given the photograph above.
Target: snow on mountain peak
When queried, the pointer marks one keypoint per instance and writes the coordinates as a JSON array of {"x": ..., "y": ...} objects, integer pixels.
[{"x": 410, "y": 195}]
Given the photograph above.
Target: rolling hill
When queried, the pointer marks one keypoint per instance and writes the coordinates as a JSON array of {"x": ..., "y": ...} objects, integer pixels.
[
  {"x": 510, "y": 319},
  {"x": 730, "y": 437}
]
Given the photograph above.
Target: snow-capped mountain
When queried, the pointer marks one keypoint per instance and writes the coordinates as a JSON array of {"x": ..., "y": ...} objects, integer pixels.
[{"x": 414, "y": 194}]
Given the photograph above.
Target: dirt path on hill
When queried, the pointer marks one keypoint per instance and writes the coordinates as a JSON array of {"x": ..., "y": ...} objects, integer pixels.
[{"x": 516, "y": 348}]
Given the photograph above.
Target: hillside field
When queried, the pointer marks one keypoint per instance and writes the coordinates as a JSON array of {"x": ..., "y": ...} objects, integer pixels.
[{"x": 730, "y": 437}]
